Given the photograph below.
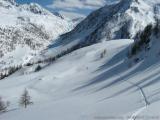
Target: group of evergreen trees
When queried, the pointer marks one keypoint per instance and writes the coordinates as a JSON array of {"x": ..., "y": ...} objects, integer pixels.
[
  {"x": 8, "y": 71},
  {"x": 24, "y": 101},
  {"x": 3, "y": 105},
  {"x": 143, "y": 40},
  {"x": 53, "y": 58}
]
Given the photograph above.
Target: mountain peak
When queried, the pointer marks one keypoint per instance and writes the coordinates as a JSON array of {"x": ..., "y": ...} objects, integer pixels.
[
  {"x": 34, "y": 8},
  {"x": 27, "y": 25},
  {"x": 122, "y": 20}
]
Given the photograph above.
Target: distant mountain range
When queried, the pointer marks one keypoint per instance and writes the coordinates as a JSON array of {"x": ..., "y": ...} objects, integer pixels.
[
  {"x": 72, "y": 9},
  {"x": 122, "y": 20}
]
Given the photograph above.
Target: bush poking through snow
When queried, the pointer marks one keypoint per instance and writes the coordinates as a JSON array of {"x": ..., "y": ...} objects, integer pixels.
[
  {"x": 25, "y": 99},
  {"x": 9, "y": 71},
  {"x": 3, "y": 105},
  {"x": 38, "y": 68},
  {"x": 103, "y": 53}
]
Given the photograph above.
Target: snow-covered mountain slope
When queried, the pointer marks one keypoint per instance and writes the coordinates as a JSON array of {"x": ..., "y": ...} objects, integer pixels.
[
  {"x": 122, "y": 20},
  {"x": 28, "y": 28},
  {"x": 75, "y": 9},
  {"x": 94, "y": 82},
  {"x": 111, "y": 79},
  {"x": 67, "y": 84}
]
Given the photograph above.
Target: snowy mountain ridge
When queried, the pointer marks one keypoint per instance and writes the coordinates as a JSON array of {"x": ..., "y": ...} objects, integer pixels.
[
  {"x": 77, "y": 9},
  {"x": 111, "y": 20},
  {"x": 122, "y": 20},
  {"x": 28, "y": 28},
  {"x": 32, "y": 7}
]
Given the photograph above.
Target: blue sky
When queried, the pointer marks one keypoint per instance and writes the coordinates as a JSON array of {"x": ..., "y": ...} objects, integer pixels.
[{"x": 41, "y": 2}]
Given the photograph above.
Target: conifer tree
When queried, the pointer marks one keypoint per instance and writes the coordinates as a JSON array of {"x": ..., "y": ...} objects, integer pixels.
[{"x": 25, "y": 99}]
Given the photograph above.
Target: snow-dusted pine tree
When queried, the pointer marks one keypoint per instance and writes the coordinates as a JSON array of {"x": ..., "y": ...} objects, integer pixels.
[{"x": 25, "y": 99}]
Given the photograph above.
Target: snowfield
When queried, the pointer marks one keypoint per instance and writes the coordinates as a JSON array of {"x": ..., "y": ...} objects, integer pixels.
[{"x": 67, "y": 89}]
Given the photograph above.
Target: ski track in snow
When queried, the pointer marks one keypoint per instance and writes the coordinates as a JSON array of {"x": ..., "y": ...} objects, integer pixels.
[{"x": 135, "y": 114}]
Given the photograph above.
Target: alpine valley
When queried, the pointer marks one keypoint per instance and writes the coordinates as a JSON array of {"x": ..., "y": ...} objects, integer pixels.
[{"x": 106, "y": 67}]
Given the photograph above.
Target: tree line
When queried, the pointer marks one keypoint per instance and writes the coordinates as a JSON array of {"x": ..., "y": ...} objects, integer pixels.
[{"x": 143, "y": 38}]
